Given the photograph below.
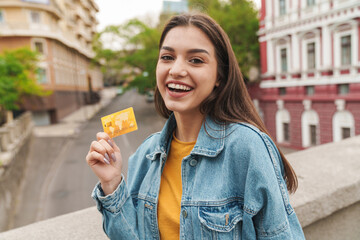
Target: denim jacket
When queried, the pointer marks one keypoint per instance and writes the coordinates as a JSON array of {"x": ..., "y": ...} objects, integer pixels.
[{"x": 232, "y": 188}]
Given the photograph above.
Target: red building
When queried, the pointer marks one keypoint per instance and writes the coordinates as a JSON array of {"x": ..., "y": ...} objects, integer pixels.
[{"x": 310, "y": 70}]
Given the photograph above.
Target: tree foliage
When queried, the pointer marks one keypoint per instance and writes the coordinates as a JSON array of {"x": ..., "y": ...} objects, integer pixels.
[
  {"x": 239, "y": 19},
  {"x": 137, "y": 57},
  {"x": 17, "y": 77}
]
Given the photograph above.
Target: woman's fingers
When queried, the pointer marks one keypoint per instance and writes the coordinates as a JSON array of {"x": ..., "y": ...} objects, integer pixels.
[
  {"x": 106, "y": 137},
  {"x": 110, "y": 153},
  {"x": 104, "y": 148},
  {"x": 94, "y": 157}
]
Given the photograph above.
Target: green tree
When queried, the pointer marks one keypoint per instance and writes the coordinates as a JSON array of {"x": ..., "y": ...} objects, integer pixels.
[
  {"x": 239, "y": 19},
  {"x": 17, "y": 78},
  {"x": 137, "y": 57}
]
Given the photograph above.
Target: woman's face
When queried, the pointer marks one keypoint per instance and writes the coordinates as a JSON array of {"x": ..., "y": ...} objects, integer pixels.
[{"x": 186, "y": 71}]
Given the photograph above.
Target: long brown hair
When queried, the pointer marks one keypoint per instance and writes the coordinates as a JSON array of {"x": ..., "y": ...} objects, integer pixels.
[{"x": 230, "y": 101}]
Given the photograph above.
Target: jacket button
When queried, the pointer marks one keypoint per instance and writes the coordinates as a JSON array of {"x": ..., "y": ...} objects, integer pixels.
[
  {"x": 184, "y": 213},
  {"x": 193, "y": 162}
]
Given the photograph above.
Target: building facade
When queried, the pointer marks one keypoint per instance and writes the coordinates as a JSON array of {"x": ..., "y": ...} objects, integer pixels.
[
  {"x": 61, "y": 31},
  {"x": 310, "y": 70}
]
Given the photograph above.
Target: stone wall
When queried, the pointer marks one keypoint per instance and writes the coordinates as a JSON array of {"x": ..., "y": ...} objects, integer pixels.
[
  {"x": 327, "y": 201},
  {"x": 14, "y": 147}
]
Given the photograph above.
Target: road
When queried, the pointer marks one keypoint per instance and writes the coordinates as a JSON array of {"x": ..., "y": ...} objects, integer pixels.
[{"x": 59, "y": 180}]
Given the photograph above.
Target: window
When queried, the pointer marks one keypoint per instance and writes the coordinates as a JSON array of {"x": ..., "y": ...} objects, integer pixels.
[
  {"x": 35, "y": 17},
  {"x": 282, "y": 91},
  {"x": 345, "y": 132},
  {"x": 312, "y": 129},
  {"x": 311, "y": 55},
  {"x": 286, "y": 132},
  {"x": 346, "y": 50},
  {"x": 343, "y": 123},
  {"x": 310, "y": 90},
  {"x": 283, "y": 59},
  {"x": 283, "y": 121},
  {"x": 41, "y": 75},
  {"x": 39, "y": 47},
  {"x": 310, "y": 3},
  {"x": 309, "y": 126},
  {"x": 343, "y": 89},
  {"x": 1, "y": 16},
  {"x": 282, "y": 7}
]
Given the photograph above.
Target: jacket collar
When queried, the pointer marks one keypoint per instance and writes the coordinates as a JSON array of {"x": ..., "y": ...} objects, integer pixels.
[{"x": 210, "y": 141}]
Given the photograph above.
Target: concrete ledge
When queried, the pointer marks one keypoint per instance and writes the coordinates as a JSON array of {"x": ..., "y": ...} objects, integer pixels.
[
  {"x": 327, "y": 201},
  {"x": 84, "y": 224},
  {"x": 329, "y": 179}
]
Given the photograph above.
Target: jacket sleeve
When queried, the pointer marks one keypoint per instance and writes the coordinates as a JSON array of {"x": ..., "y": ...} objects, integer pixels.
[
  {"x": 119, "y": 213},
  {"x": 267, "y": 204}
]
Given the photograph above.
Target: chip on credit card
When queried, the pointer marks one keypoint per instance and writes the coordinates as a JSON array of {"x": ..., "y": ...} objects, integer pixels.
[{"x": 119, "y": 123}]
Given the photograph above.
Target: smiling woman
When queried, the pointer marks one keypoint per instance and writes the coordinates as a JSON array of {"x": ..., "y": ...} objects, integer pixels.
[
  {"x": 213, "y": 172},
  {"x": 186, "y": 72}
]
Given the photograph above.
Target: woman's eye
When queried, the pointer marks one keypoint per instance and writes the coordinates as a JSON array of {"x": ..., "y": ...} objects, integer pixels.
[
  {"x": 166, "y": 57},
  {"x": 196, "y": 60}
]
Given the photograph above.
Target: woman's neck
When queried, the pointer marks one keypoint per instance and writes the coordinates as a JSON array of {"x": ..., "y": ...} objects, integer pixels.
[{"x": 188, "y": 126}]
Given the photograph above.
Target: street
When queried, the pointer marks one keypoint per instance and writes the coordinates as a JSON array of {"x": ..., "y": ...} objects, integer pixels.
[{"x": 58, "y": 179}]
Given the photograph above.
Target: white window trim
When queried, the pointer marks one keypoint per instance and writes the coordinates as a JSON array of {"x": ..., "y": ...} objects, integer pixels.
[
  {"x": 309, "y": 117},
  {"x": 270, "y": 57},
  {"x": 337, "y": 125},
  {"x": 277, "y": 8},
  {"x": 305, "y": 6},
  {"x": 304, "y": 63},
  {"x": 30, "y": 19},
  {"x": 43, "y": 41},
  {"x": 353, "y": 32},
  {"x": 287, "y": 46},
  {"x": 282, "y": 116}
]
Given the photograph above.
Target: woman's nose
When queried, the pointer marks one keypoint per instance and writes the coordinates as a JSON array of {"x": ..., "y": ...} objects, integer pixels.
[{"x": 178, "y": 69}]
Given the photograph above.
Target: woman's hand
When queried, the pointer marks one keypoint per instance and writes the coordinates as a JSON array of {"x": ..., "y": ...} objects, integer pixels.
[{"x": 105, "y": 160}]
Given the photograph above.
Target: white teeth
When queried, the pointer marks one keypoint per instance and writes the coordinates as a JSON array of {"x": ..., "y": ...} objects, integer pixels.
[{"x": 179, "y": 87}]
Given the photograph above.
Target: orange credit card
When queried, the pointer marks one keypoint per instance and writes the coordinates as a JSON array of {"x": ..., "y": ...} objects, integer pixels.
[{"x": 119, "y": 123}]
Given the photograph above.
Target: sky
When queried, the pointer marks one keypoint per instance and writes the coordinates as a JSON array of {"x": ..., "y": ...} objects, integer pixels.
[{"x": 113, "y": 12}]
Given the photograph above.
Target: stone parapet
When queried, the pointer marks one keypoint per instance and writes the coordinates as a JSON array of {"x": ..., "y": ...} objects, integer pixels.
[
  {"x": 327, "y": 201},
  {"x": 12, "y": 136},
  {"x": 14, "y": 147}
]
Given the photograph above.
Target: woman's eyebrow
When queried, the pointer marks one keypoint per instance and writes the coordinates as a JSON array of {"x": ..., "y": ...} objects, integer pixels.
[
  {"x": 168, "y": 48},
  {"x": 198, "y": 50},
  {"x": 194, "y": 50}
]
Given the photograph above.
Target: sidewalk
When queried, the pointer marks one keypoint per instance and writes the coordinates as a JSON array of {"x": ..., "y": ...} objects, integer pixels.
[{"x": 70, "y": 124}]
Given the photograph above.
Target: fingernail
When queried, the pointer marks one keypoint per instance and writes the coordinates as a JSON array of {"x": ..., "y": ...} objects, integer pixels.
[
  {"x": 107, "y": 157},
  {"x": 107, "y": 161},
  {"x": 113, "y": 157},
  {"x": 110, "y": 143}
]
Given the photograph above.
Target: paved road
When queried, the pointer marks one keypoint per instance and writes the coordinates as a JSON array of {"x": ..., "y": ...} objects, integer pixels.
[{"x": 58, "y": 179}]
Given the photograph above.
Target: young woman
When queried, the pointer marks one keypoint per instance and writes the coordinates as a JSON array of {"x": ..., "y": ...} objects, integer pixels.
[{"x": 212, "y": 172}]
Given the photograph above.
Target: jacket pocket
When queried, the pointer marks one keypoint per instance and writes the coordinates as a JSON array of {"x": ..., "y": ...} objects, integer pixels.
[{"x": 221, "y": 221}]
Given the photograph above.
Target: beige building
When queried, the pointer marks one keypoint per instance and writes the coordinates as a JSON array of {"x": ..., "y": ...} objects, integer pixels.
[{"x": 62, "y": 31}]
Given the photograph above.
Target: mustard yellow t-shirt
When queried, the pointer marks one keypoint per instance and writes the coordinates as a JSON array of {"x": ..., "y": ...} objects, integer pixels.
[{"x": 171, "y": 190}]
